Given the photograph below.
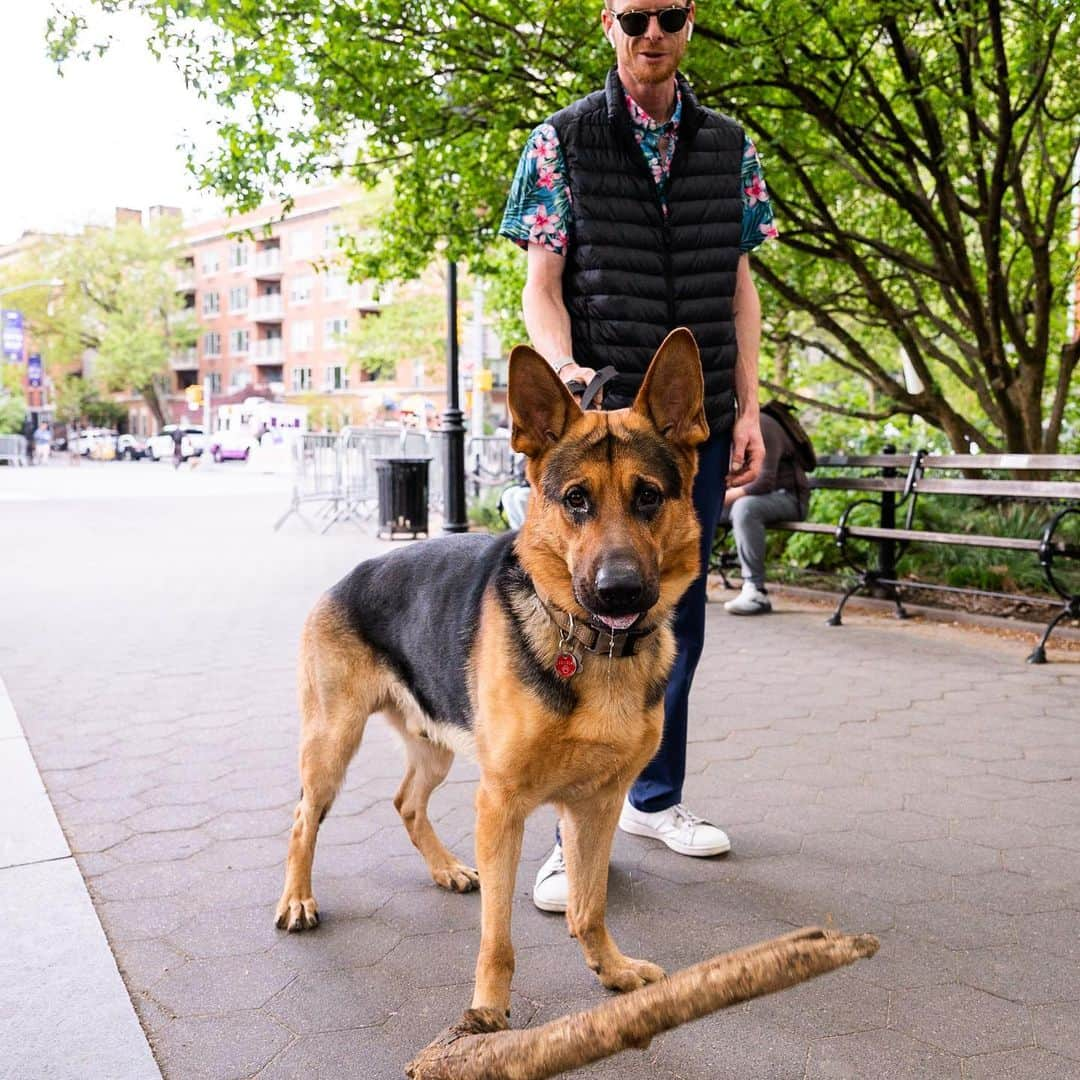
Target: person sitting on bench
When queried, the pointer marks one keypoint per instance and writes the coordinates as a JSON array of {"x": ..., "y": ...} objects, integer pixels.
[{"x": 780, "y": 493}]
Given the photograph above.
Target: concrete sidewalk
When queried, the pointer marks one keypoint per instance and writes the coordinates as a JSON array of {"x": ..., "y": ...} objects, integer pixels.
[{"x": 897, "y": 778}]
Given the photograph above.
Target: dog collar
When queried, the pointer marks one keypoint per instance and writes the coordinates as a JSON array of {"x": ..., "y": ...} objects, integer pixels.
[{"x": 611, "y": 642}]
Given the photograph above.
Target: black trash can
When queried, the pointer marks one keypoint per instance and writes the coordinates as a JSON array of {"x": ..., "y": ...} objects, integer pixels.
[{"x": 403, "y": 497}]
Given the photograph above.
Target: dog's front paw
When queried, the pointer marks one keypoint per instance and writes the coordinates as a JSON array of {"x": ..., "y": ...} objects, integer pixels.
[
  {"x": 626, "y": 974},
  {"x": 455, "y": 876},
  {"x": 296, "y": 913}
]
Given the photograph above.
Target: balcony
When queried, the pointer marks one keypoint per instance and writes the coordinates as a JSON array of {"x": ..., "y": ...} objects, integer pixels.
[
  {"x": 185, "y": 279},
  {"x": 361, "y": 296},
  {"x": 268, "y": 351},
  {"x": 268, "y": 263},
  {"x": 267, "y": 308},
  {"x": 185, "y": 360}
]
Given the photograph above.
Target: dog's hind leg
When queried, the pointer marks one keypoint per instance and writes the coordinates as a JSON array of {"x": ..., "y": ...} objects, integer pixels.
[
  {"x": 338, "y": 684},
  {"x": 426, "y": 766}
]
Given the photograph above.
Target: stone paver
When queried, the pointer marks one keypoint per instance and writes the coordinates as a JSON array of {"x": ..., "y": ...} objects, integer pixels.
[{"x": 903, "y": 778}]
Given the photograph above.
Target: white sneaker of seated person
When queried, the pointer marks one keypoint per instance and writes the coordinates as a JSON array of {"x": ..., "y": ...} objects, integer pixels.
[
  {"x": 680, "y": 829},
  {"x": 750, "y": 601}
]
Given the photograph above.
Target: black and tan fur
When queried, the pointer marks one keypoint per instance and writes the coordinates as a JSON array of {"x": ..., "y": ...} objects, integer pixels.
[{"x": 452, "y": 642}]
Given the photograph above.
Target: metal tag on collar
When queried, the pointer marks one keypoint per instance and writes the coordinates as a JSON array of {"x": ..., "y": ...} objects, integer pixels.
[{"x": 567, "y": 664}]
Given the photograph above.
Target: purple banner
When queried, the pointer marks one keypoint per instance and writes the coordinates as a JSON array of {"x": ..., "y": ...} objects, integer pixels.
[
  {"x": 12, "y": 336},
  {"x": 33, "y": 369}
]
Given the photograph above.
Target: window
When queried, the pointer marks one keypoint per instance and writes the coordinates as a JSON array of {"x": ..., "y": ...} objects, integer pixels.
[
  {"x": 335, "y": 286},
  {"x": 301, "y": 379},
  {"x": 238, "y": 341},
  {"x": 303, "y": 335},
  {"x": 211, "y": 303},
  {"x": 212, "y": 344},
  {"x": 239, "y": 379},
  {"x": 331, "y": 235},
  {"x": 238, "y": 298},
  {"x": 215, "y": 382},
  {"x": 238, "y": 255},
  {"x": 335, "y": 329},
  {"x": 337, "y": 377},
  {"x": 300, "y": 289},
  {"x": 210, "y": 262},
  {"x": 300, "y": 244}
]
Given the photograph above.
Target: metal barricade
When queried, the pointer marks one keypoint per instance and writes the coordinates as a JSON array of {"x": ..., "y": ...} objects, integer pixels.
[
  {"x": 490, "y": 461},
  {"x": 13, "y": 449},
  {"x": 316, "y": 462},
  {"x": 334, "y": 476},
  {"x": 437, "y": 470},
  {"x": 359, "y": 447}
]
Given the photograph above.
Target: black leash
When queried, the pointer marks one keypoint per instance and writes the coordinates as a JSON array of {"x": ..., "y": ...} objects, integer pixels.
[{"x": 587, "y": 394}]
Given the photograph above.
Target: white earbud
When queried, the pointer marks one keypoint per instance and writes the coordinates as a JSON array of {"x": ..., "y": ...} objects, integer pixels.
[
  {"x": 610, "y": 35},
  {"x": 689, "y": 31}
]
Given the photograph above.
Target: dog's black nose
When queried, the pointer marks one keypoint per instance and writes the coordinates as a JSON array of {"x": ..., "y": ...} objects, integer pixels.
[{"x": 619, "y": 586}]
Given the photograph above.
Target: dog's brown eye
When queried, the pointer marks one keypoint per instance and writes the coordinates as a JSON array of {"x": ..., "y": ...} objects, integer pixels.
[
  {"x": 649, "y": 498},
  {"x": 576, "y": 499}
]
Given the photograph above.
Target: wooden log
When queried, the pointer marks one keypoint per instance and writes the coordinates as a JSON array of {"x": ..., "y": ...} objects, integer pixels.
[{"x": 480, "y": 1048}]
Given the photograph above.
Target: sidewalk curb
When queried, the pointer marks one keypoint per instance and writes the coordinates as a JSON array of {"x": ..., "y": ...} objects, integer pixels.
[{"x": 66, "y": 1010}]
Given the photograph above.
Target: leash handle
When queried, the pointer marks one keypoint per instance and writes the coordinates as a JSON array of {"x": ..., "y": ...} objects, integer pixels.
[{"x": 587, "y": 394}]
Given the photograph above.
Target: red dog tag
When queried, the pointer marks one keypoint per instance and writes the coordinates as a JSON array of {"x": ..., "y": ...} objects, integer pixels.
[{"x": 566, "y": 665}]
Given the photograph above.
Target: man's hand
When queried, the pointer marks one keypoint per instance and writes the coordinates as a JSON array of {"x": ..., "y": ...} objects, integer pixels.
[
  {"x": 747, "y": 450},
  {"x": 583, "y": 375}
]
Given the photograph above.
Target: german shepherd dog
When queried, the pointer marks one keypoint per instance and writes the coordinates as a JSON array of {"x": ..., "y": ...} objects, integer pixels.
[{"x": 544, "y": 653}]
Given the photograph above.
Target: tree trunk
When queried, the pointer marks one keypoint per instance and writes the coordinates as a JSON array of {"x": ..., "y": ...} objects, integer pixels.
[
  {"x": 153, "y": 400},
  {"x": 478, "y": 1047}
]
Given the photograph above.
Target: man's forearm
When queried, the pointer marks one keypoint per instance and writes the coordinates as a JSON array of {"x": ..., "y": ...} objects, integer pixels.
[
  {"x": 748, "y": 336},
  {"x": 547, "y": 321}
]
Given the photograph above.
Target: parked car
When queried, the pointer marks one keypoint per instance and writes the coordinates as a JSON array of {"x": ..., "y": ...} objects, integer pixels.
[
  {"x": 160, "y": 447},
  {"x": 232, "y": 445},
  {"x": 130, "y": 447},
  {"x": 89, "y": 438}
]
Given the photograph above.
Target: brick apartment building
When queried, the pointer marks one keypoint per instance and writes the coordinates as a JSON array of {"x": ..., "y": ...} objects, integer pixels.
[{"x": 272, "y": 307}]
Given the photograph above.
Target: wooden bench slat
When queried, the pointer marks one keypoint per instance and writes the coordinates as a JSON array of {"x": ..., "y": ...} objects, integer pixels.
[
  {"x": 874, "y": 532},
  {"x": 1015, "y": 462},
  {"x": 858, "y": 483},
  {"x": 935, "y": 485},
  {"x": 865, "y": 461},
  {"x": 1005, "y": 543},
  {"x": 1014, "y": 489}
]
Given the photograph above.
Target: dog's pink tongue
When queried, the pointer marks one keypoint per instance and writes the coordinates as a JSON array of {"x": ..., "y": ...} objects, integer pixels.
[{"x": 618, "y": 622}]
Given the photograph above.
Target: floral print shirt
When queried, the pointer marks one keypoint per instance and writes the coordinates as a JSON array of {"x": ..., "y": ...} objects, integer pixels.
[{"x": 538, "y": 208}]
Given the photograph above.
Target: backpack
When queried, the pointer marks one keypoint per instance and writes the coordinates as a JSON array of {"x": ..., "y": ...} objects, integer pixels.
[{"x": 786, "y": 418}]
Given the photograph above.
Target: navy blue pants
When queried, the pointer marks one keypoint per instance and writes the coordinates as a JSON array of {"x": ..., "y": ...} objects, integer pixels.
[{"x": 660, "y": 784}]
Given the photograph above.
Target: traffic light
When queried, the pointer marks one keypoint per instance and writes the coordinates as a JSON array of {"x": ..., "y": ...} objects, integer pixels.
[{"x": 194, "y": 397}]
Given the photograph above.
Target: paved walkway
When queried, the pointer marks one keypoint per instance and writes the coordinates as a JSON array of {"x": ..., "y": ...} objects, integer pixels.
[{"x": 898, "y": 778}]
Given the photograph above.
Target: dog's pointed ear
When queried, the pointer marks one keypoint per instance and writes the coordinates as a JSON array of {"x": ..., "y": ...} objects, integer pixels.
[
  {"x": 540, "y": 405},
  {"x": 672, "y": 396}
]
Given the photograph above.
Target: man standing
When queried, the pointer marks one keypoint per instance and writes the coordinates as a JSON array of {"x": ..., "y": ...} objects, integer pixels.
[{"x": 637, "y": 207}]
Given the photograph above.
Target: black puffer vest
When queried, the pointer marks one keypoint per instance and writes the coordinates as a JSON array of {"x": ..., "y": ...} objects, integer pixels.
[{"x": 632, "y": 275}]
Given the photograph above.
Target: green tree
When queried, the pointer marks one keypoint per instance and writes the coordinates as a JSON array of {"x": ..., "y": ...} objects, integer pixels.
[
  {"x": 12, "y": 401},
  {"x": 117, "y": 296},
  {"x": 921, "y": 155},
  {"x": 412, "y": 328}
]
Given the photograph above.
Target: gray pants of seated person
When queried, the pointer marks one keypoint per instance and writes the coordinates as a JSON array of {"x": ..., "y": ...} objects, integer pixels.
[{"x": 748, "y": 517}]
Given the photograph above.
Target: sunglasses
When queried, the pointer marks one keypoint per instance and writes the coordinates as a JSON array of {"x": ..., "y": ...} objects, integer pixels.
[{"x": 636, "y": 23}]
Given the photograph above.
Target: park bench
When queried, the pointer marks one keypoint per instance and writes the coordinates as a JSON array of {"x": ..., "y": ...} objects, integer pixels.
[{"x": 892, "y": 483}]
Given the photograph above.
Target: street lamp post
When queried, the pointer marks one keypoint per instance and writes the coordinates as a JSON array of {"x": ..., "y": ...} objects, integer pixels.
[{"x": 453, "y": 426}]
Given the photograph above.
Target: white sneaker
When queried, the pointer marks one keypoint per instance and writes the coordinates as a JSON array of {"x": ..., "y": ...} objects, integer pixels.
[
  {"x": 751, "y": 601},
  {"x": 552, "y": 888},
  {"x": 681, "y": 830}
]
